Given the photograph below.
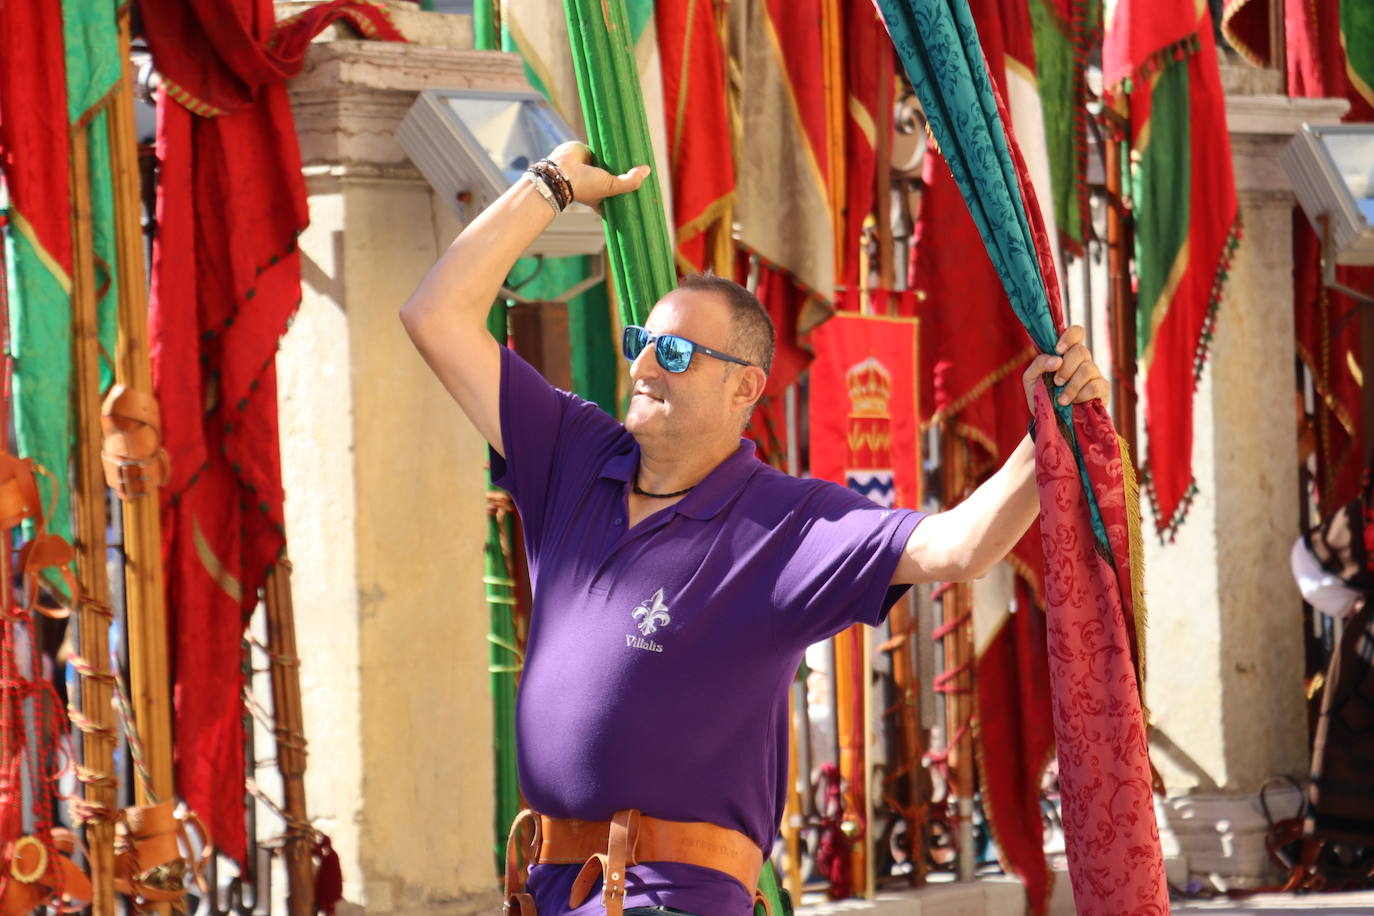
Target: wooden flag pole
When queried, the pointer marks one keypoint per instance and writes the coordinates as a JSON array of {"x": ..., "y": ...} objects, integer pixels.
[
  {"x": 870, "y": 876},
  {"x": 96, "y": 772},
  {"x": 1122, "y": 299},
  {"x": 290, "y": 735},
  {"x": 150, "y": 682},
  {"x": 792, "y": 811},
  {"x": 957, "y": 608}
]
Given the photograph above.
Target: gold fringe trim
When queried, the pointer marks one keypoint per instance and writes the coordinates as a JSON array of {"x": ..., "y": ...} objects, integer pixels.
[
  {"x": 1139, "y": 613},
  {"x": 177, "y": 93},
  {"x": 1153, "y": 64}
]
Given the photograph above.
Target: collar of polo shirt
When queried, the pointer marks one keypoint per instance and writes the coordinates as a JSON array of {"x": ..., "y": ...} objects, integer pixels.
[{"x": 708, "y": 497}]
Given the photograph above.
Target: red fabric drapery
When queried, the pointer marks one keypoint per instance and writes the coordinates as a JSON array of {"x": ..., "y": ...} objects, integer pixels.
[
  {"x": 1328, "y": 322},
  {"x": 33, "y": 127},
  {"x": 225, "y": 280},
  {"x": 1160, "y": 66},
  {"x": 869, "y": 75},
  {"x": 698, "y": 127}
]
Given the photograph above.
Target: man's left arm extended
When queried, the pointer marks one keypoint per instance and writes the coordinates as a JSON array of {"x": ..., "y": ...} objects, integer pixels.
[{"x": 966, "y": 541}]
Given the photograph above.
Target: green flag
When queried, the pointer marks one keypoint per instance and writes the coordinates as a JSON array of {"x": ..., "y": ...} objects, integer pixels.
[
  {"x": 40, "y": 287},
  {"x": 538, "y": 31}
]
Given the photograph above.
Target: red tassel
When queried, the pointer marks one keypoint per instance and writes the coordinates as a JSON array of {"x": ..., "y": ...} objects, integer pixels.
[{"x": 328, "y": 877}]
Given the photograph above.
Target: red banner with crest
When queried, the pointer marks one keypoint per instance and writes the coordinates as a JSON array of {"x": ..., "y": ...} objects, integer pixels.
[{"x": 864, "y": 424}]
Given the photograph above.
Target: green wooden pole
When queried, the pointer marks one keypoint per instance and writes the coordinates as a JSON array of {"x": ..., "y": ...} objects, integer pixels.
[
  {"x": 503, "y": 656},
  {"x": 484, "y": 36},
  {"x": 637, "y": 241}
]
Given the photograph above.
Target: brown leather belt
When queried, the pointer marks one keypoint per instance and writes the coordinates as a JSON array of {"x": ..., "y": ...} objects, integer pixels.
[{"x": 606, "y": 848}]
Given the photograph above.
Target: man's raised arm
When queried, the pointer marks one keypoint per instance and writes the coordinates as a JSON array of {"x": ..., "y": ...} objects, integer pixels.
[
  {"x": 965, "y": 542},
  {"x": 446, "y": 316}
]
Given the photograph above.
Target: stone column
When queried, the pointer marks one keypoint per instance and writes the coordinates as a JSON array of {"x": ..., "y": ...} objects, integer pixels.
[
  {"x": 1225, "y": 659},
  {"x": 385, "y": 494}
]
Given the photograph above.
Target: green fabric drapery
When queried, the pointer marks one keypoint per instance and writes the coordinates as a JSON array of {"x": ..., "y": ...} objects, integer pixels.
[
  {"x": 40, "y": 289},
  {"x": 638, "y": 249}
]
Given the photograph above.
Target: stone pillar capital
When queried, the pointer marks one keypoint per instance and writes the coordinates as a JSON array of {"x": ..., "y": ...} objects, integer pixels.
[
  {"x": 1261, "y": 126},
  {"x": 352, "y": 95}
]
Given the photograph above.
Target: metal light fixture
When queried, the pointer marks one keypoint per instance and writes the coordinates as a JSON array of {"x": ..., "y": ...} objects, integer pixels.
[
  {"x": 1332, "y": 171},
  {"x": 471, "y": 145}
]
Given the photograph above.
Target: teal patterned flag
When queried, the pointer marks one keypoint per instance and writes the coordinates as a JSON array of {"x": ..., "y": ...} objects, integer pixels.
[{"x": 1090, "y": 521}]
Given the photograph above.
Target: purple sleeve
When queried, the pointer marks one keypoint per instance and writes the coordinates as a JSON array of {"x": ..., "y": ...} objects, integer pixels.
[
  {"x": 840, "y": 572},
  {"x": 553, "y": 441}
]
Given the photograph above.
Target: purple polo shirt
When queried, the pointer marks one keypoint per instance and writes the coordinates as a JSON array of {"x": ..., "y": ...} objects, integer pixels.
[{"x": 659, "y": 658}]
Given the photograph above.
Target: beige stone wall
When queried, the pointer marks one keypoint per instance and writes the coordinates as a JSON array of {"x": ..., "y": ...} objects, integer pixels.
[
  {"x": 1225, "y": 644},
  {"x": 386, "y": 521},
  {"x": 1225, "y": 641},
  {"x": 386, "y": 506}
]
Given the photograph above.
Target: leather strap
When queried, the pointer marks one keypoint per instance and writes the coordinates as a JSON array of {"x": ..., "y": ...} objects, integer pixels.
[
  {"x": 517, "y": 901},
  {"x": 612, "y": 865},
  {"x": 606, "y": 849},
  {"x": 132, "y": 453},
  {"x": 47, "y": 551},
  {"x": 566, "y": 841}
]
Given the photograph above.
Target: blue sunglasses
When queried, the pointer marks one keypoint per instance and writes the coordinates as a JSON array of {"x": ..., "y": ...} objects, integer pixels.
[{"x": 674, "y": 353}]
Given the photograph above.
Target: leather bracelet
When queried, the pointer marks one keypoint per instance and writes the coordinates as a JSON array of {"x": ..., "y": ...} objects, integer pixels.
[
  {"x": 544, "y": 190},
  {"x": 557, "y": 180}
]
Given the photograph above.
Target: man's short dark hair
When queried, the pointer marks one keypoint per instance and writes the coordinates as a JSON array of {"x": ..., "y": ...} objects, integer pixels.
[{"x": 751, "y": 330}]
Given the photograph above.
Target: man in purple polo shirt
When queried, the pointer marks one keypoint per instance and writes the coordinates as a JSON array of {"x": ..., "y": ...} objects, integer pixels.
[{"x": 677, "y": 579}]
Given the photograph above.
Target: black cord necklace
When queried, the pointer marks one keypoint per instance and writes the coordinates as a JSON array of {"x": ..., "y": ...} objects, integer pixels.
[{"x": 643, "y": 492}]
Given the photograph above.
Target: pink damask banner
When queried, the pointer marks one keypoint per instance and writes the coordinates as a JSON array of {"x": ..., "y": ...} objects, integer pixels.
[{"x": 1110, "y": 832}]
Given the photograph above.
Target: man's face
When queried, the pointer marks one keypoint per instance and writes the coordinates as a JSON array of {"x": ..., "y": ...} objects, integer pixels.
[{"x": 672, "y": 408}]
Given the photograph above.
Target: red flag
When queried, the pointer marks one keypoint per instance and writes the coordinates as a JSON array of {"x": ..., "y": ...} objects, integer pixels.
[
  {"x": 698, "y": 122},
  {"x": 1328, "y": 323},
  {"x": 226, "y": 278},
  {"x": 1160, "y": 64},
  {"x": 864, "y": 432},
  {"x": 784, "y": 206},
  {"x": 33, "y": 129},
  {"x": 1245, "y": 23},
  {"x": 869, "y": 74},
  {"x": 864, "y": 423},
  {"x": 784, "y": 302}
]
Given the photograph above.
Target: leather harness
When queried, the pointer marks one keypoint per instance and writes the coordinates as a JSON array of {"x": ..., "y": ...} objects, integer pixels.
[{"x": 605, "y": 849}]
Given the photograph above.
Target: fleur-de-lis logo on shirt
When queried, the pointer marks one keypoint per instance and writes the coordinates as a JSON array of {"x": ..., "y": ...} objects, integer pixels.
[{"x": 652, "y": 614}]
